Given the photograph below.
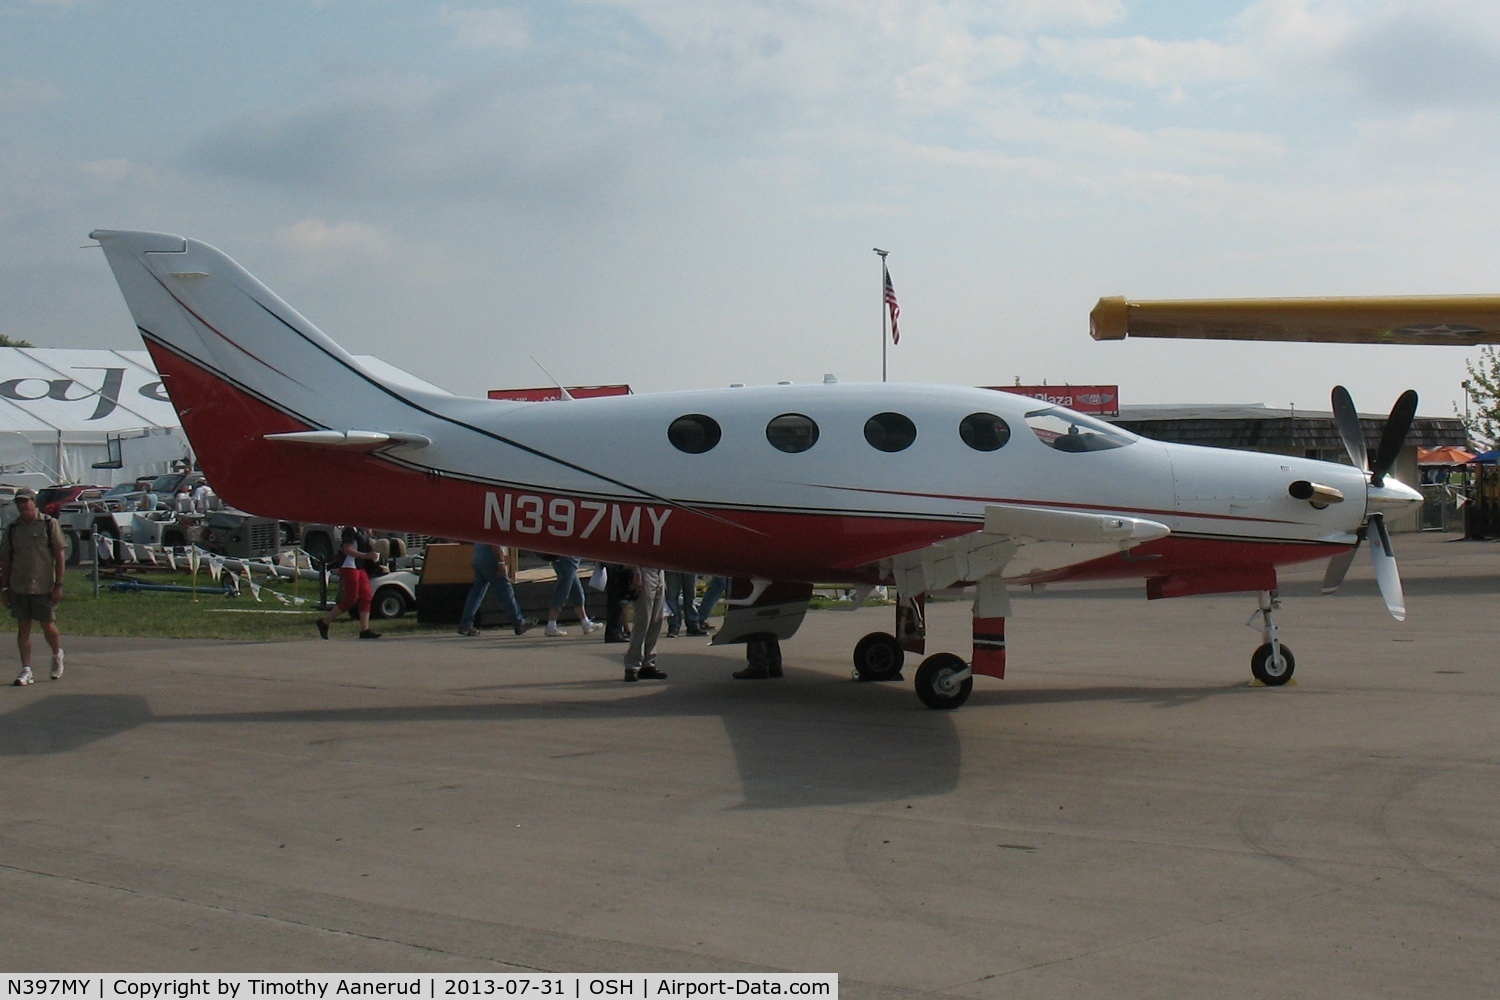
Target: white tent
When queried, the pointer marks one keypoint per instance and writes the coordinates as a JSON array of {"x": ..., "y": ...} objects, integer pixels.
[
  {"x": 91, "y": 416},
  {"x": 62, "y": 412}
]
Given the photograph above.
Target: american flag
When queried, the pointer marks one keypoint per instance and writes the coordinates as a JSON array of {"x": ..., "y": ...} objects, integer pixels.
[{"x": 894, "y": 306}]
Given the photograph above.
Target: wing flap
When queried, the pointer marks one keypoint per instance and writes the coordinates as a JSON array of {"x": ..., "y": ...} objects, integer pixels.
[{"x": 1017, "y": 542}]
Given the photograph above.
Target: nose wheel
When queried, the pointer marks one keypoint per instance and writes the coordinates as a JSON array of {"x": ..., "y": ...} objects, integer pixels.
[
  {"x": 1273, "y": 663},
  {"x": 944, "y": 681},
  {"x": 1273, "y": 667}
]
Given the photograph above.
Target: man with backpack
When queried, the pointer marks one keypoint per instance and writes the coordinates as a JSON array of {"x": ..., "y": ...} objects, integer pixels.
[{"x": 31, "y": 579}]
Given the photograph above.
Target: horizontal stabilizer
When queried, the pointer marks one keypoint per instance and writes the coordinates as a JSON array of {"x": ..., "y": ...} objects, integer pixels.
[
  {"x": 354, "y": 440},
  {"x": 1387, "y": 319}
]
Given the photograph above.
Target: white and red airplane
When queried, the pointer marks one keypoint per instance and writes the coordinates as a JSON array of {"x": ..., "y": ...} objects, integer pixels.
[{"x": 928, "y": 488}]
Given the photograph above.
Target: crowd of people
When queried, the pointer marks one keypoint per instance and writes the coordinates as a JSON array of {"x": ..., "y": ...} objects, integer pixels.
[{"x": 638, "y": 601}]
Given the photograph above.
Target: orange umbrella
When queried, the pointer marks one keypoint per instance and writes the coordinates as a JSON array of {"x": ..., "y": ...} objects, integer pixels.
[{"x": 1446, "y": 455}]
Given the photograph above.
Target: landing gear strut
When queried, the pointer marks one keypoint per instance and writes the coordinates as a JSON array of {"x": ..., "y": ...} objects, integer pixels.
[{"x": 1272, "y": 664}]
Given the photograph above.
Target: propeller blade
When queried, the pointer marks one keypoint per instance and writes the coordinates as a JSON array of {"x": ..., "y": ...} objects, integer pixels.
[
  {"x": 1338, "y": 566},
  {"x": 1386, "y": 574},
  {"x": 1349, "y": 429},
  {"x": 1393, "y": 436}
]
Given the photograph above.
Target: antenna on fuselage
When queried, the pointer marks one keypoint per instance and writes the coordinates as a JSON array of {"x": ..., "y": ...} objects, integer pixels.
[{"x": 560, "y": 387}]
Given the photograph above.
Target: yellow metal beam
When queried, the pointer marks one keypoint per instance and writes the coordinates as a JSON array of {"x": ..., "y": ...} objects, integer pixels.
[{"x": 1453, "y": 320}]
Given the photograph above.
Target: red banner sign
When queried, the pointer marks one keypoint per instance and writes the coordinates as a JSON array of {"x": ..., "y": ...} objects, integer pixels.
[{"x": 1102, "y": 400}]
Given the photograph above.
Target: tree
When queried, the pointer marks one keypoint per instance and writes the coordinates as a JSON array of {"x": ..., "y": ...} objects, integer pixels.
[
  {"x": 1483, "y": 387},
  {"x": 8, "y": 342}
]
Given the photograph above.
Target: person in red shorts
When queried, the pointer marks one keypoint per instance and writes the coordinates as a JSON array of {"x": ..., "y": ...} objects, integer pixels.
[{"x": 354, "y": 582}]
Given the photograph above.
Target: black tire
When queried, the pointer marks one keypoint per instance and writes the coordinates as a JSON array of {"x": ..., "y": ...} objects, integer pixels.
[
  {"x": 878, "y": 657},
  {"x": 72, "y": 548},
  {"x": 319, "y": 548},
  {"x": 1265, "y": 671},
  {"x": 932, "y": 686},
  {"x": 389, "y": 602}
]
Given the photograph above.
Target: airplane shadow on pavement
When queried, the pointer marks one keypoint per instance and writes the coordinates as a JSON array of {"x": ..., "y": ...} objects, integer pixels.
[
  {"x": 809, "y": 740},
  {"x": 63, "y": 722}
]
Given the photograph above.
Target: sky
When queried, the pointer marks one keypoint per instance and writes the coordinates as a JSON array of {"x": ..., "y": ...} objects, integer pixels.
[{"x": 686, "y": 194}]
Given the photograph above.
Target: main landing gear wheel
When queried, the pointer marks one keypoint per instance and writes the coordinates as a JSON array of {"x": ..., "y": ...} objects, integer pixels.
[
  {"x": 878, "y": 657},
  {"x": 944, "y": 681},
  {"x": 1270, "y": 671}
]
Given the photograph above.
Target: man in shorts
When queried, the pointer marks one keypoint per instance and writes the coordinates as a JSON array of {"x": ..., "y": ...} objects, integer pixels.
[{"x": 31, "y": 579}]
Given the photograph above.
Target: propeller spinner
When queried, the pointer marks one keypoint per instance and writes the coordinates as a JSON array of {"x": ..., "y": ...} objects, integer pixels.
[{"x": 1380, "y": 495}]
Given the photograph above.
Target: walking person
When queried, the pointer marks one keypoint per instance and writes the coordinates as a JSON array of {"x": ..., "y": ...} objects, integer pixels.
[
  {"x": 354, "y": 582},
  {"x": 682, "y": 593},
  {"x": 568, "y": 591},
  {"x": 31, "y": 579},
  {"x": 618, "y": 582},
  {"x": 650, "y": 603},
  {"x": 717, "y": 587},
  {"x": 492, "y": 569}
]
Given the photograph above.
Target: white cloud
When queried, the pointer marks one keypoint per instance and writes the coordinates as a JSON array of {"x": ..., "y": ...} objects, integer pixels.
[
  {"x": 117, "y": 171},
  {"x": 318, "y": 237},
  {"x": 1391, "y": 53},
  {"x": 320, "y": 246},
  {"x": 19, "y": 94},
  {"x": 486, "y": 27},
  {"x": 1144, "y": 62},
  {"x": 523, "y": 142},
  {"x": 645, "y": 155},
  {"x": 1043, "y": 14}
]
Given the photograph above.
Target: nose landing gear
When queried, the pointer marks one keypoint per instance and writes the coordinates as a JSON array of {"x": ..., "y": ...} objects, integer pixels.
[
  {"x": 1272, "y": 664},
  {"x": 944, "y": 681}
]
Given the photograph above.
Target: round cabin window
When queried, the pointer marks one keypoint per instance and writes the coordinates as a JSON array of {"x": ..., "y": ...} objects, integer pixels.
[
  {"x": 694, "y": 433},
  {"x": 890, "y": 432},
  {"x": 792, "y": 432}
]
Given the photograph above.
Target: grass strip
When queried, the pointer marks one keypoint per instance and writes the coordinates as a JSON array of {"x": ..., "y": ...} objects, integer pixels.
[{"x": 166, "y": 614}]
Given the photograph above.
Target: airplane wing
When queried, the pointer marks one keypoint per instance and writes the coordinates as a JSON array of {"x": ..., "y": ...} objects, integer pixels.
[
  {"x": 1433, "y": 319},
  {"x": 1017, "y": 542}
]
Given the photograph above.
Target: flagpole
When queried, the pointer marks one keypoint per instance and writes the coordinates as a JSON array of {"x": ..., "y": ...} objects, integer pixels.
[{"x": 883, "y": 255}]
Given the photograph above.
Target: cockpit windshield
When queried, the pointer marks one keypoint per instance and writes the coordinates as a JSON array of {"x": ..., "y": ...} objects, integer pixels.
[{"x": 1073, "y": 432}]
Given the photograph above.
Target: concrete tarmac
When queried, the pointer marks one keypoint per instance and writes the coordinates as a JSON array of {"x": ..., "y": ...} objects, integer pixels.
[{"x": 1125, "y": 816}]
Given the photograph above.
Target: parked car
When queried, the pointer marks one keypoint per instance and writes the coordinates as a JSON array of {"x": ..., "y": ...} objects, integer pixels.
[
  {"x": 126, "y": 496},
  {"x": 169, "y": 485},
  {"x": 51, "y": 499}
]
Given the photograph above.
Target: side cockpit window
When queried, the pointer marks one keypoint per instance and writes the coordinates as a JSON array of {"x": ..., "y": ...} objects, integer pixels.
[
  {"x": 984, "y": 431},
  {"x": 1065, "y": 430}
]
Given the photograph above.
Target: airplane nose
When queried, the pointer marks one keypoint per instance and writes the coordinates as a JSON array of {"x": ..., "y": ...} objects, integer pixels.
[{"x": 1391, "y": 495}]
